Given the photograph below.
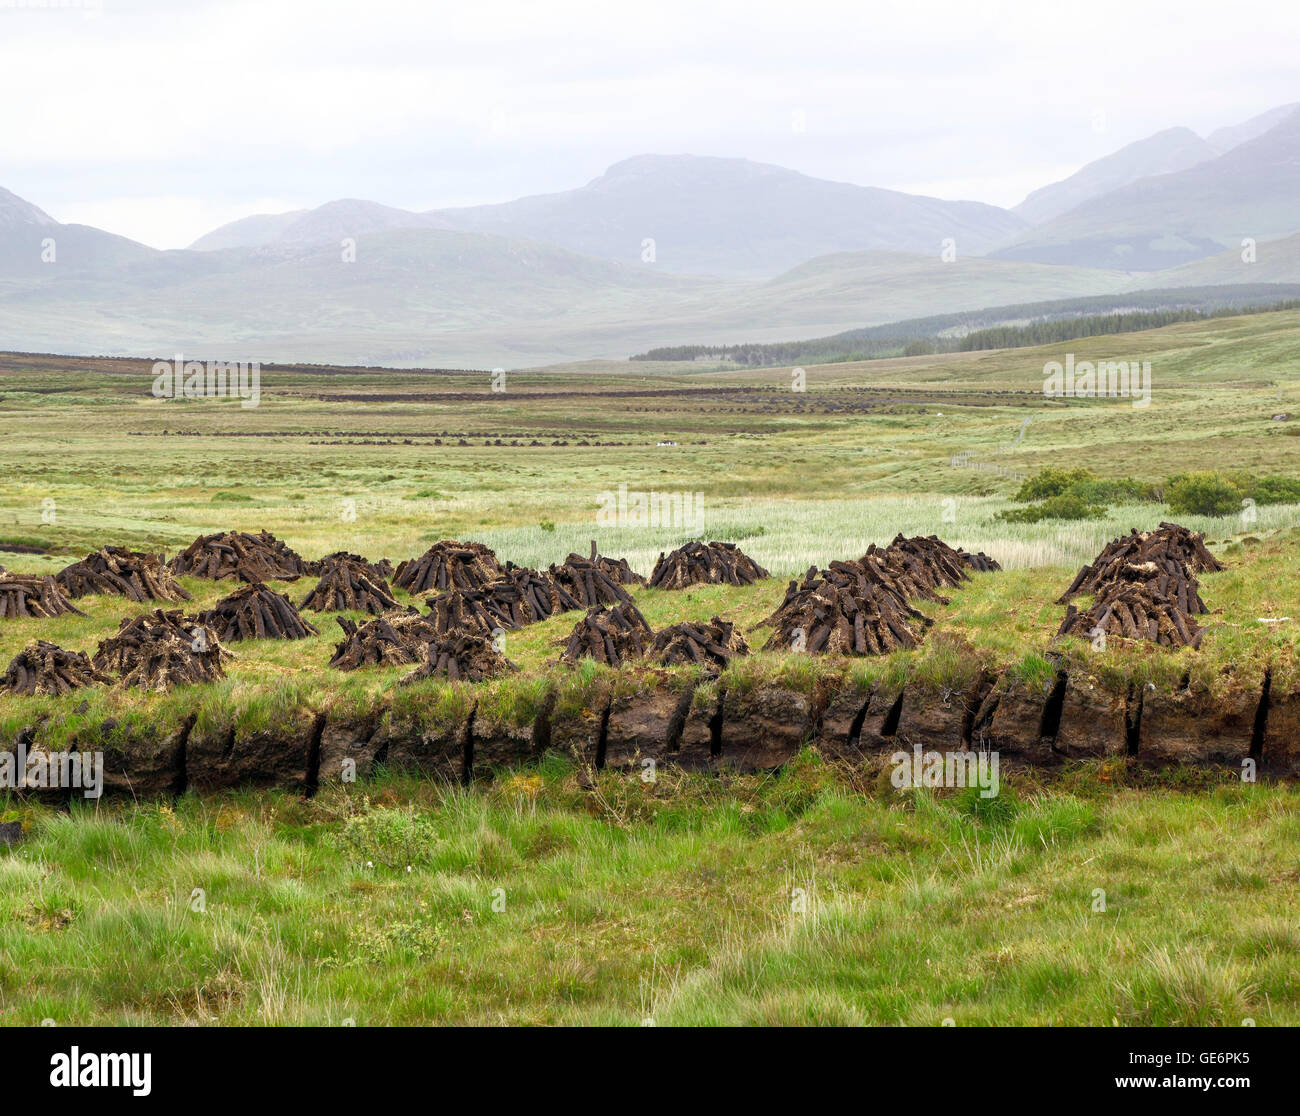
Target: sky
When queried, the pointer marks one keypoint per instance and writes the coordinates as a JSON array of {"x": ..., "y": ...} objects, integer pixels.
[{"x": 161, "y": 121}]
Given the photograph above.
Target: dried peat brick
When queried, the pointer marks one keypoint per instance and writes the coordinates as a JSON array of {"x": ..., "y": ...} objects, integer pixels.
[
  {"x": 697, "y": 563},
  {"x": 449, "y": 565},
  {"x": 256, "y": 612},
  {"x": 609, "y": 635},
  {"x": 238, "y": 554},
  {"x": 30, "y": 597},
  {"x": 159, "y": 650},
  {"x": 468, "y": 657},
  {"x": 713, "y": 644},
  {"x": 127, "y": 573},
  {"x": 46, "y": 668}
]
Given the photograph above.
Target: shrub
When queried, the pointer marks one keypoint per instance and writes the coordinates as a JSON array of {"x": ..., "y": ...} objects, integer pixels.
[
  {"x": 1204, "y": 493},
  {"x": 1275, "y": 490},
  {"x": 1051, "y": 482},
  {"x": 393, "y": 838},
  {"x": 1067, "y": 506}
]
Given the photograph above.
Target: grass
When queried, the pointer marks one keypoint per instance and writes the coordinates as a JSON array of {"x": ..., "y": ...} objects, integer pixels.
[
  {"x": 817, "y": 895},
  {"x": 808, "y": 897}
]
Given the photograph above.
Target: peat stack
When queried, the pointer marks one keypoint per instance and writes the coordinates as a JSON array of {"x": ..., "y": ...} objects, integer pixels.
[
  {"x": 616, "y": 569},
  {"x": 697, "y": 563},
  {"x": 27, "y": 596},
  {"x": 838, "y": 612},
  {"x": 159, "y": 650},
  {"x": 348, "y": 585},
  {"x": 978, "y": 561},
  {"x": 449, "y": 565},
  {"x": 928, "y": 562},
  {"x": 587, "y": 583},
  {"x": 1172, "y": 551},
  {"x": 541, "y": 595},
  {"x": 376, "y": 571},
  {"x": 463, "y": 658},
  {"x": 499, "y": 606},
  {"x": 238, "y": 554},
  {"x": 714, "y": 644},
  {"x": 256, "y": 612},
  {"x": 609, "y": 635},
  {"x": 46, "y": 668},
  {"x": 128, "y": 573},
  {"x": 1136, "y": 610},
  {"x": 397, "y": 639}
]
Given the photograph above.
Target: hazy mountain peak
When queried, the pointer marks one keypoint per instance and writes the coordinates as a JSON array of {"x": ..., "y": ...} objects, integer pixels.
[
  {"x": 1225, "y": 139},
  {"x": 1168, "y": 219},
  {"x": 15, "y": 211},
  {"x": 1173, "y": 149},
  {"x": 728, "y": 216},
  {"x": 332, "y": 221}
]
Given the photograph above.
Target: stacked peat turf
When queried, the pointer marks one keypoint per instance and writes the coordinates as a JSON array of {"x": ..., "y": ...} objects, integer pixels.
[
  {"x": 395, "y": 639},
  {"x": 697, "y": 563},
  {"x": 616, "y": 569},
  {"x": 586, "y": 582},
  {"x": 1137, "y": 610},
  {"x": 498, "y": 607},
  {"x": 844, "y": 610},
  {"x": 928, "y": 561},
  {"x": 260, "y": 557},
  {"x": 376, "y": 571},
  {"x": 1145, "y": 588},
  {"x": 46, "y": 668},
  {"x": 24, "y": 596},
  {"x": 467, "y": 657},
  {"x": 539, "y": 592},
  {"x": 256, "y": 612},
  {"x": 1172, "y": 551},
  {"x": 713, "y": 644},
  {"x": 979, "y": 561},
  {"x": 159, "y": 650},
  {"x": 350, "y": 584},
  {"x": 609, "y": 635},
  {"x": 128, "y": 573},
  {"x": 449, "y": 565}
]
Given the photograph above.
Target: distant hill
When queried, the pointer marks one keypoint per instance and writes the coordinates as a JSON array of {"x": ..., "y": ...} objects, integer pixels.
[
  {"x": 1171, "y": 150},
  {"x": 732, "y": 217},
  {"x": 76, "y": 249},
  {"x": 1276, "y": 261},
  {"x": 421, "y": 296},
  {"x": 1171, "y": 219},
  {"x": 1225, "y": 139},
  {"x": 326, "y": 224}
]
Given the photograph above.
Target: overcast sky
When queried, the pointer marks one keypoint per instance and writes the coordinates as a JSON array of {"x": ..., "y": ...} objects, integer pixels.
[{"x": 160, "y": 121}]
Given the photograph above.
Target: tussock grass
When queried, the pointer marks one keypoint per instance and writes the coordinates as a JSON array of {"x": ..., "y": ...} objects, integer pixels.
[{"x": 803, "y": 897}]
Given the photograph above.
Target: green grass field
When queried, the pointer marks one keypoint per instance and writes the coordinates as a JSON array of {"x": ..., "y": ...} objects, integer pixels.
[{"x": 815, "y": 895}]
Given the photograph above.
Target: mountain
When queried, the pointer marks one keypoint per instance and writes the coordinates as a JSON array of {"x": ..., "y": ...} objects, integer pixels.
[
  {"x": 327, "y": 224},
  {"x": 1170, "y": 219},
  {"x": 442, "y": 297},
  {"x": 33, "y": 245},
  {"x": 1225, "y": 139},
  {"x": 1276, "y": 261},
  {"x": 732, "y": 217},
  {"x": 17, "y": 213},
  {"x": 1174, "y": 149}
]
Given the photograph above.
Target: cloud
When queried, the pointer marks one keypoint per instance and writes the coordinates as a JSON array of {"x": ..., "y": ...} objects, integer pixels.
[{"x": 218, "y": 106}]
